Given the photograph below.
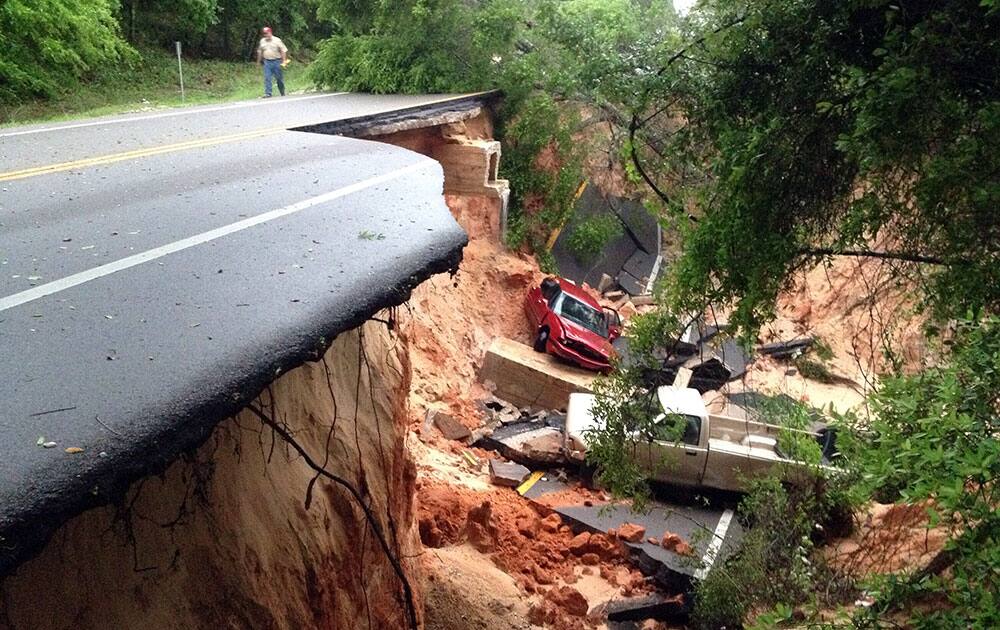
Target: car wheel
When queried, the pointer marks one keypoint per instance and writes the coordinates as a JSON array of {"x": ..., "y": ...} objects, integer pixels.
[{"x": 541, "y": 340}]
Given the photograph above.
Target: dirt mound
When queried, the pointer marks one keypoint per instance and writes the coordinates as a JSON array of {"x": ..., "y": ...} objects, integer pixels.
[
  {"x": 890, "y": 538},
  {"x": 465, "y": 592},
  {"x": 536, "y": 549},
  {"x": 858, "y": 307},
  {"x": 452, "y": 321}
]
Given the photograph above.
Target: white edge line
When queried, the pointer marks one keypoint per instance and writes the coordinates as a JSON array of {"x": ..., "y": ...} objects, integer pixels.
[
  {"x": 181, "y": 111},
  {"x": 713, "y": 547},
  {"x": 82, "y": 277},
  {"x": 652, "y": 274}
]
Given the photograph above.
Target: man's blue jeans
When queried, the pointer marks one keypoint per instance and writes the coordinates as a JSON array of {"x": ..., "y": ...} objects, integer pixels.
[{"x": 272, "y": 68}]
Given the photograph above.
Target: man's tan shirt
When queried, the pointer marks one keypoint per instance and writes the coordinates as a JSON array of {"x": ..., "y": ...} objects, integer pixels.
[{"x": 272, "y": 49}]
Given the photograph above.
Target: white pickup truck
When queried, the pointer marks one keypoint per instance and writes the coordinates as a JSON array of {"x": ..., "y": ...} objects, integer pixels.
[{"x": 714, "y": 451}]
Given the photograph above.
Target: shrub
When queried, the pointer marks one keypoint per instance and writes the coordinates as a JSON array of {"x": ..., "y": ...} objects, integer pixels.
[{"x": 590, "y": 236}]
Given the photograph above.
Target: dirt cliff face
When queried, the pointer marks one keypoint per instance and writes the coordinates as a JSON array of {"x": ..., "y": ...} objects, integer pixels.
[
  {"x": 226, "y": 537},
  {"x": 452, "y": 321}
]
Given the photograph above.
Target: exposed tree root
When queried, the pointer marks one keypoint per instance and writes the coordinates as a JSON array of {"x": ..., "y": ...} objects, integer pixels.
[{"x": 281, "y": 431}]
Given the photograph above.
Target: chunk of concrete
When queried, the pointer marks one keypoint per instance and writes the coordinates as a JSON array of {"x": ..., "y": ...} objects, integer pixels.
[
  {"x": 683, "y": 377},
  {"x": 545, "y": 448},
  {"x": 531, "y": 379},
  {"x": 605, "y": 283},
  {"x": 507, "y": 474},
  {"x": 450, "y": 427},
  {"x": 533, "y": 444}
]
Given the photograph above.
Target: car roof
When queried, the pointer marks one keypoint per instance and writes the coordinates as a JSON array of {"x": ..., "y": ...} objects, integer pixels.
[{"x": 569, "y": 287}]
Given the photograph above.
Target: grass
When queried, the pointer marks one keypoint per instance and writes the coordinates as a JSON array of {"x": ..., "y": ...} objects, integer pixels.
[{"x": 150, "y": 82}]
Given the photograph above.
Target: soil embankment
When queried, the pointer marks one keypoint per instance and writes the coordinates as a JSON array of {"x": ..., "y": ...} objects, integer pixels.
[{"x": 231, "y": 536}]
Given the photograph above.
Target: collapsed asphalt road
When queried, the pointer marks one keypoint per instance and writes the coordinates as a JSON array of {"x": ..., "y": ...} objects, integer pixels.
[
  {"x": 178, "y": 129},
  {"x": 144, "y": 298}
]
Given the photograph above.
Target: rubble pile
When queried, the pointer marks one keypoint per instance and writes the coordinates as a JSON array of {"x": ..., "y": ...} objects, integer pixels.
[{"x": 536, "y": 548}]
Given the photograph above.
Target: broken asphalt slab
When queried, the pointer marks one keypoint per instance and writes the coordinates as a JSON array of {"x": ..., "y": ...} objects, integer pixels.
[
  {"x": 712, "y": 532},
  {"x": 632, "y": 258},
  {"x": 534, "y": 444},
  {"x": 177, "y": 327},
  {"x": 659, "y": 607},
  {"x": 507, "y": 474}
]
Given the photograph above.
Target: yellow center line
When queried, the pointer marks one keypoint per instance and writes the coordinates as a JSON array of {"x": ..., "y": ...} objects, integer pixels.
[
  {"x": 138, "y": 153},
  {"x": 530, "y": 481},
  {"x": 554, "y": 236}
]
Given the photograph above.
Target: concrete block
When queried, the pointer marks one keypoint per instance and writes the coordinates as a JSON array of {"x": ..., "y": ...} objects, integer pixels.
[
  {"x": 605, "y": 283},
  {"x": 471, "y": 168},
  {"x": 531, "y": 379},
  {"x": 683, "y": 377}
]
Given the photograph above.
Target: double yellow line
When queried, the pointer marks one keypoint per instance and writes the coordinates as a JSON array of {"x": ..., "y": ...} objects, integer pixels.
[{"x": 138, "y": 153}]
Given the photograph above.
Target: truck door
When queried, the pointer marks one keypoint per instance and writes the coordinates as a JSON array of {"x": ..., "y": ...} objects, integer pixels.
[{"x": 679, "y": 461}]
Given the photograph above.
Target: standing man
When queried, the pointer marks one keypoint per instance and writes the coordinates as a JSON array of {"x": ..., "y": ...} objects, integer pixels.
[{"x": 274, "y": 55}]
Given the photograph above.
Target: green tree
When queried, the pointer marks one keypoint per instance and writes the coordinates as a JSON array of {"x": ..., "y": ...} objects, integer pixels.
[
  {"x": 46, "y": 45},
  {"x": 783, "y": 134},
  {"x": 550, "y": 58},
  {"x": 814, "y": 129},
  {"x": 933, "y": 438}
]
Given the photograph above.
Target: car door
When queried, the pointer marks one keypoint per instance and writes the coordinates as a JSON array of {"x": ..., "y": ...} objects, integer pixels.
[
  {"x": 535, "y": 306},
  {"x": 678, "y": 461},
  {"x": 614, "y": 323}
]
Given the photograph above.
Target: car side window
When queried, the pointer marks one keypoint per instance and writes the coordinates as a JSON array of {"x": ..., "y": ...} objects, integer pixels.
[
  {"x": 692, "y": 431},
  {"x": 666, "y": 431}
]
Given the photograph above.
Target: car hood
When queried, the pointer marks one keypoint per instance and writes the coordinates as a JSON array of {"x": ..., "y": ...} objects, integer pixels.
[{"x": 585, "y": 335}]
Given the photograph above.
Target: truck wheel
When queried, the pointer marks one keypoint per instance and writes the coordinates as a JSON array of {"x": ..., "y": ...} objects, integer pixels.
[{"x": 541, "y": 339}]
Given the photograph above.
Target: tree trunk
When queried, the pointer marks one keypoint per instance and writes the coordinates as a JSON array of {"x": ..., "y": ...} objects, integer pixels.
[{"x": 131, "y": 21}]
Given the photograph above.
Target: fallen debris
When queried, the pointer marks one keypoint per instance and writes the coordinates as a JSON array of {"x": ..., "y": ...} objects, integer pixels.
[
  {"x": 605, "y": 283},
  {"x": 662, "y": 533},
  {"x": 673, "y": 542},
  {"x": 631, "y": 259},
  {"x": 471, "y": 459},
  {"x": 532, "y": 443},
  {"x": 655, "y": 606},
  {"x": 569, "y": 599},
  {"x": 786, "y": 349},
  {"x": 527, "y": 378},
  {"x": 507, "y": 474},
  {"x": 449, "y": 427},
  {"x": 630, "y": 532}
]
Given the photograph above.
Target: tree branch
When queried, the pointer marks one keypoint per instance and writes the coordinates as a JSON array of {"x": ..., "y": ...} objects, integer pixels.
[
  {"x": 904, "y": 256},
  {"x": 634, "y": 155}
]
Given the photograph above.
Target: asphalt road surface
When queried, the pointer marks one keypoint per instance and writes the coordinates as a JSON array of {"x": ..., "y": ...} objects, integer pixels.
[{"x": 157, "y": 270}]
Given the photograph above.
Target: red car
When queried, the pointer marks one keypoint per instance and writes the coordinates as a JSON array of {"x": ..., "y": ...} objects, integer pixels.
[{"x": 570, "y": 324}]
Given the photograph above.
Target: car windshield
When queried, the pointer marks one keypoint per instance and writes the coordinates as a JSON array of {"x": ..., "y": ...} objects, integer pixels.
[{"x": 579, "y": 313}]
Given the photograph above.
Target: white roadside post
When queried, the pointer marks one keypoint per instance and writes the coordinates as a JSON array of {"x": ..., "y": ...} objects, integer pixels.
[{"x": 180, "y": 68}]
